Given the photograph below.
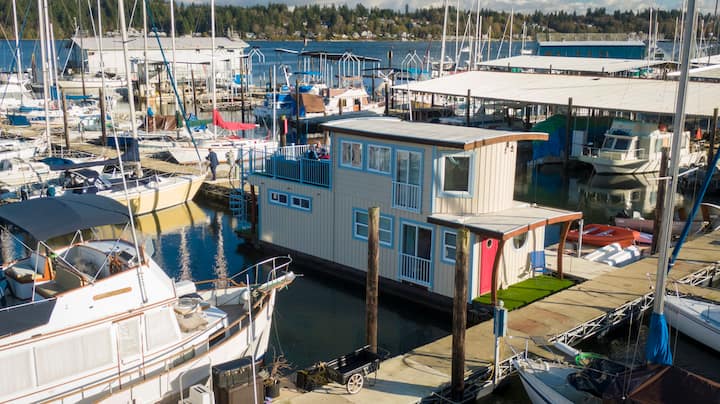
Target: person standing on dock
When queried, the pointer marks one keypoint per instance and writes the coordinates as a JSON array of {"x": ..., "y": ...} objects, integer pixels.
[{"x": 213, "y": 160}]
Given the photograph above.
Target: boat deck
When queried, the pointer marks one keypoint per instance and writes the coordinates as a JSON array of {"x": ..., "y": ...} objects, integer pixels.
[{"x": 571, "y": 315}]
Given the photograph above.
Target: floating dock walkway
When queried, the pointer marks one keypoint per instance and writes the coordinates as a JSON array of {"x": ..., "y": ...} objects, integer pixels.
[{"x": 569, "y": 316}]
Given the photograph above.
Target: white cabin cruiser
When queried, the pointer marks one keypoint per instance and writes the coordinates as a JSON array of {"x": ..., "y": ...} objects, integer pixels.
[
  {"x": 100, "y": 321},
  {"x": 633, "y": 147}
]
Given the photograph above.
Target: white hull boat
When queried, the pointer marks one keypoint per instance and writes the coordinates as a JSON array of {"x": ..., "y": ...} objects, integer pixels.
[
  {"x": 697, "y": 319},
  {"x": 636, "y": 147},
  {"x": 100, "y": 321},
  {"x": 545, "y": 382},
  {"x": 222, "y": 147}
]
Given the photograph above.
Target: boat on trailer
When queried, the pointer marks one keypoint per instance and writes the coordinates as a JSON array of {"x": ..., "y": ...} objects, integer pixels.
[{"x": 100, "y": 321}]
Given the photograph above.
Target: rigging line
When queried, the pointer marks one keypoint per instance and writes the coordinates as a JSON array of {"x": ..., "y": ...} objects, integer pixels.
[
  {"x": 132, "y": 15},
  {"x": 172, "y": 81}
]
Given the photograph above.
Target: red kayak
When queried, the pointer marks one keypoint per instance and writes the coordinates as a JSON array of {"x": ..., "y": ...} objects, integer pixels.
[{"x": 602, "y": 235}]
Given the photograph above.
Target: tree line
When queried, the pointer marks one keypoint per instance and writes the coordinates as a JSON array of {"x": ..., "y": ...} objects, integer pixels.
[{"x": 282, "y": 22}]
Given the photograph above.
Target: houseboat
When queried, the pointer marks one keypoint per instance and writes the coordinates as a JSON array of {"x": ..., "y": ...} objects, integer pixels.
[
  {"x": 428, "y": 180},
  {"x": 632, "y": 147}
]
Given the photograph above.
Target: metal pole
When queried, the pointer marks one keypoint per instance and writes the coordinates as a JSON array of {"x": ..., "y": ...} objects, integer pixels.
[
  {"x": 460, "y": 314},
  {"x": 371, "y": 287},
  {"x": 102, "y": 116},
  {"x": 131, "y": 98},
  {"x": 568, "y": 133},
  {"x": 665, "y": 153},
  {"x": 17, "y": 49},
  {"x": 66, "y": 129},
  {"x": 712, "y": 134}
]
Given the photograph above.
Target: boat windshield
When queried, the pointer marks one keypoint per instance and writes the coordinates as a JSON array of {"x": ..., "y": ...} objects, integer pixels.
[{"x": 622, "y": 144}]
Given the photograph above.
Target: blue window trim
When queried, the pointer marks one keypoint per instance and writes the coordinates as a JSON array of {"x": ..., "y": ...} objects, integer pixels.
[
  {"x": 443, "y": 232},
  {"x": 355, "y": 236},
  {"x": 278, "y": 203},
  {"x": 289, "y": 196},
  {"x": 440, "y": 170},
  {"x": 309, "y": 199},
  {"x": 392, "y": 159},
  {"x": 422, "y": 177},
  {"x": 404, "y": 221},
  {"x": 340, "y": 156}
]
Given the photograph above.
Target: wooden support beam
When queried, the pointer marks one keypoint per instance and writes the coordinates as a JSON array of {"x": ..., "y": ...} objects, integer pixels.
[
  {"x": 462, "y": 247},
  {"x": 561, "y": 247},
  {"x": 371, "y": 285},
  {"x": 496, "y": 272}
]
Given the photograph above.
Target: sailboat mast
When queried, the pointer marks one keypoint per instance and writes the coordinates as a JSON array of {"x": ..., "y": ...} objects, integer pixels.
[
  {"x": 212, "y": 60},
  {"x": 512, "y": 14},
  {"x": 146, "y": 61},
  {"x": 444, "y": 37},
  {"x": 172, "y": 35},
  {"x": 100, "y": 49},
  {"x": 44, "y": 60},
  {"x": 478, "y": 29},
  {"x": 17, "y": 49},
  {"x": 131, "y": 97}
]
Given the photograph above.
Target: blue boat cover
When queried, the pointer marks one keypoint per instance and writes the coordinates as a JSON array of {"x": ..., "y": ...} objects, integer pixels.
[{"x": 657, "y": 346}]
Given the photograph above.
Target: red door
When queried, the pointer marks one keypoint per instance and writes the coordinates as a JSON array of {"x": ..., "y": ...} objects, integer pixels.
[{"x": 488, "y": 249}]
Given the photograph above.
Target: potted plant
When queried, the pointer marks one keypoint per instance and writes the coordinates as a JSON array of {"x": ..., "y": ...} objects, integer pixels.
[{"x": 272, "y": 383}]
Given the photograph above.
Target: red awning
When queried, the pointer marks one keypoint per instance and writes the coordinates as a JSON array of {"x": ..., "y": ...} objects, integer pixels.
[{"x": 218, "y": 121}]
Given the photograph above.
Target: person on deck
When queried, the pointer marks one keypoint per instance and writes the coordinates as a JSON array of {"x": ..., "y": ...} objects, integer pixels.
[{"x": 213, "y": 160}]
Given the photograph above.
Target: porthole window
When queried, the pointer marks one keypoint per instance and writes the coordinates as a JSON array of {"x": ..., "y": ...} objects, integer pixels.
[{"x": 520, "y": 240}]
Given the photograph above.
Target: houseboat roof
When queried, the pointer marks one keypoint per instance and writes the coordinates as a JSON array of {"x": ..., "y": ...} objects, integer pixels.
[
  {"x": 456, "y": 137},
  {"x": 114, "y": 43},
  {"x": 571, "y": 64},
  {"x": 604, "y": 93},
  {"x": 508, "y": 223}
]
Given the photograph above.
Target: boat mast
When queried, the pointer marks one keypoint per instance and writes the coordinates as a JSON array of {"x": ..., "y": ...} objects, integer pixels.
[
  {"x": 17, "y": 51},
  {"x": 658, "y": 349},
  {"x": 147, "y": 68},
  {"x": 512, "y": 14},
  {"x": 44, "y": 59},
  {"x": 212, "y": 62},
  {"x": 131, "y": 98},
  {"x": 172, "y": 35},
  {"x": 102, "y": 62},
  {"x": 444, "y": 37},
  {"x": 457, "y": 33},
  {"x": 478, "y": 29}
]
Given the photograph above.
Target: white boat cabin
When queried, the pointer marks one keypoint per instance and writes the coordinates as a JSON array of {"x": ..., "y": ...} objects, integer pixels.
[{"x": 428, "y": 180}]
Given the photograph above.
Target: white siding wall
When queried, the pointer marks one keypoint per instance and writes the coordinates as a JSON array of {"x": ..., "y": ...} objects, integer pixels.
[
  {"x": 515, "y": 264},
  {"x": 493, "y": 175},
  {"x": 308, "y": 232}
]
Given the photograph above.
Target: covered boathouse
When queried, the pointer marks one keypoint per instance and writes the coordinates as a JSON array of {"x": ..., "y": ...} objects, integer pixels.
[{"x": 427, "y": 180}]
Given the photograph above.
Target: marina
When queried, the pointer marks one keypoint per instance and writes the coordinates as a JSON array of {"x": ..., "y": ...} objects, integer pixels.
[{"x": 224, "y": 220}]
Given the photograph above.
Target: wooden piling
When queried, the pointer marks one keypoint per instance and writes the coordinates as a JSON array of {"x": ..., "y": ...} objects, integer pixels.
[
  {"x": 387, "y": 99},
  {"x": 371, "y": 285},
  {"x": 568, "y": 133},
  {"x": 103, "y": 129},
  {"x": 457, "y": 379},
  {"x": 467, "y": 109},
  {"x": 65, "y": 122},
  {"x": 662, "y": 186},
  {"x": 712, "y": 134},
  {"x": 192, "y": 82}
]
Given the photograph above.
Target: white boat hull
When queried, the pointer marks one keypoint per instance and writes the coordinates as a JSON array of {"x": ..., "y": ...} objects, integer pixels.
[
  {"x": 696, "y": 319},
  {"x": 156, "y": 196},
  {"x": 537, "y": 390}
]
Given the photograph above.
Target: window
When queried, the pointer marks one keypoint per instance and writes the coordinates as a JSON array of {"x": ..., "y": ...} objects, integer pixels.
[
  {"x": 622, "y": 144},
  {"x": 449, "y": 246},
  {"x": 456, "y": 177},
  {"x": 361, "y": 227},
  {"x": 379, "y": 159},
  {"x": 351, "y": 155},
  {"x": 407, "y": 192},
  {"x": 300, "y": 202},
  {"x": 278, "y": 198}
]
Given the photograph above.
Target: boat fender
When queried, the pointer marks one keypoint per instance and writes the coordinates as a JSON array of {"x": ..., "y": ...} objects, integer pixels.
[
  {"x": 566, "y": 349},
  {"x": 245, "y": 299}
]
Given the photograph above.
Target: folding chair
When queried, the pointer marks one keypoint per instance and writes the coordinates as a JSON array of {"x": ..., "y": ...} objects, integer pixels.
[{"x": 537, "y": 262}]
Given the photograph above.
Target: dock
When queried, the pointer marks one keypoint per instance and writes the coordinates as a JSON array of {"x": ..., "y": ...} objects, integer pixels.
[{"x": 570, "y": 316}]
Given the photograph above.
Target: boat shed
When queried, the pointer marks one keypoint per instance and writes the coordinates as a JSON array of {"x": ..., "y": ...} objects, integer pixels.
[
  {"x": 571, "y": 65},
  {"x": 187, "y": 49},
  {"x": 653, "y": 97},
  {"x": 593, "y": 49}
]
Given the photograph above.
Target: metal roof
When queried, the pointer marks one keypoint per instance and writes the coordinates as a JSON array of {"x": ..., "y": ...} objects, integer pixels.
[
  {"x": 590, "y": 43},
  {"x": 114, "y": 43},
  {"x": 571, "y": 64},
  {"x": 506, "y": 223},
  {"x": 605, "y": 93},
  {"x": 458, "y": 137}
]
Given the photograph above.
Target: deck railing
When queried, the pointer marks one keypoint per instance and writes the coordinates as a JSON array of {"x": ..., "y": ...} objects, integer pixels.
[
  {"x": 294, "y": 163},
  {"x": 415, "y": 269},
  {"x": 406, "y": 196},
  {"x": 637, "y": 154}
]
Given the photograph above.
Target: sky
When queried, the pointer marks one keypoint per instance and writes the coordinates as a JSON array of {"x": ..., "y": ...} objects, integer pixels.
[{"x": 526, "y": 6}]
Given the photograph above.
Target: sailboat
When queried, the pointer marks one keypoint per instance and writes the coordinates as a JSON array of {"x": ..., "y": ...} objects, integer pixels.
[
  {"x": 658, "y": 381},
  {"x": 85, "y": 320}
]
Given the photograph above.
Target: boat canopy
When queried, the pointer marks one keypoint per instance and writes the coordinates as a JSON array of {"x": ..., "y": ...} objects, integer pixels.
[{"x": 45, "y": 218}]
